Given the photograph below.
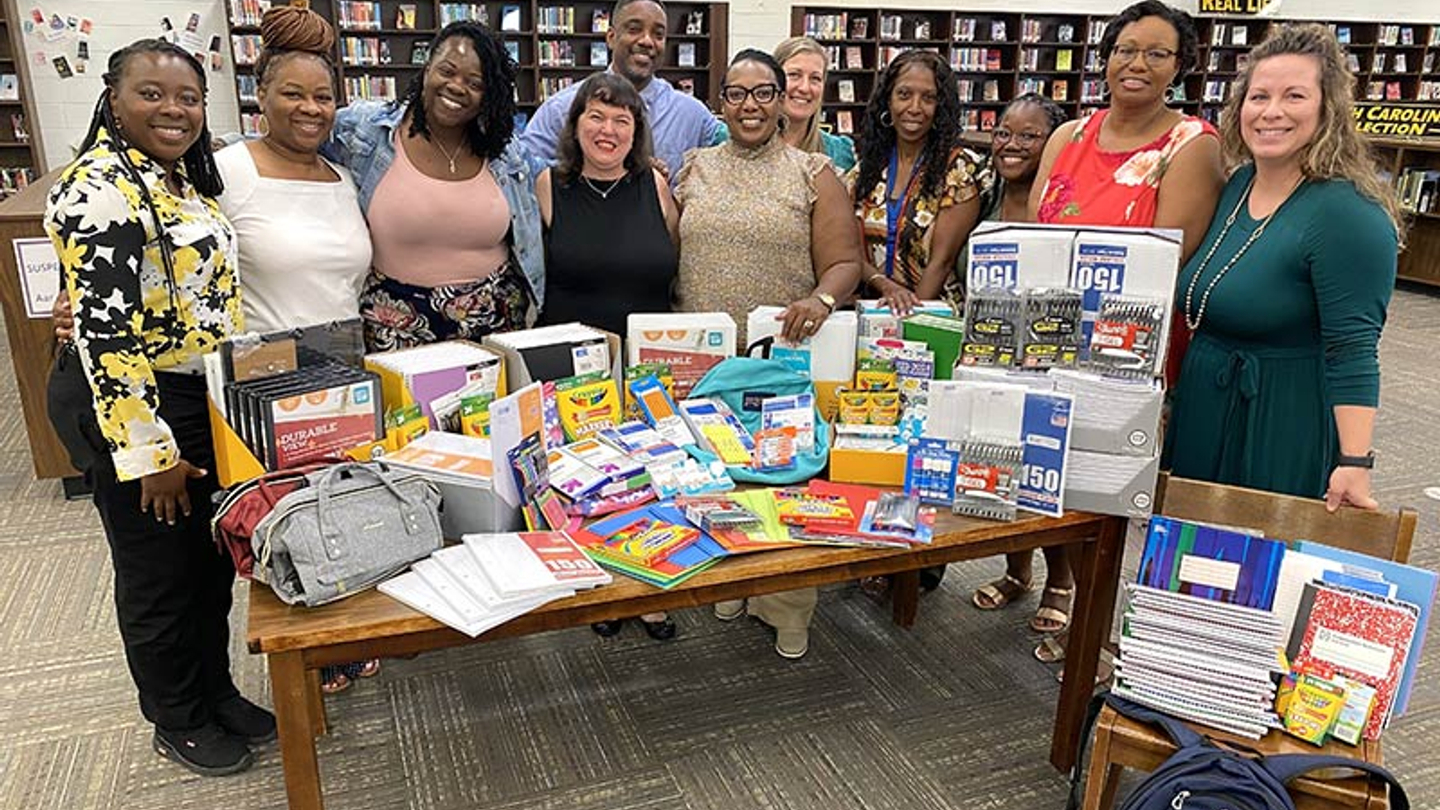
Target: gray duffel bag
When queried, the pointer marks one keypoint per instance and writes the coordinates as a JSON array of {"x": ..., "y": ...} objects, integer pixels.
[{"x": 353, "y": 526}]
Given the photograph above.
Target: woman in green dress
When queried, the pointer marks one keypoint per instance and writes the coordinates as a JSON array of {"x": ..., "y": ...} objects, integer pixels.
[{"x": 1287, "y": 295}]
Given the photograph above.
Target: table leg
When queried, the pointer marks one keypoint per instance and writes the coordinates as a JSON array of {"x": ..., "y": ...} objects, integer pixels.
[
  {"x": 1097, "y": 577},
  {"x": 316, "y": 699},
  {"x": 905, "y": 598},
  {"x": 290, "y": 689}
]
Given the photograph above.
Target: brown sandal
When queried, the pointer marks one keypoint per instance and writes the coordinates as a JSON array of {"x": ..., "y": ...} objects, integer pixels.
[
  {"x": 999, "y": 593},
  {"x": 1053, "y": 615}
]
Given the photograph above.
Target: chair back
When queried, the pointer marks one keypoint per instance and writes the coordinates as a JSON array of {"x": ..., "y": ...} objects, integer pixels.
[{"x": 1386, "y": 535}]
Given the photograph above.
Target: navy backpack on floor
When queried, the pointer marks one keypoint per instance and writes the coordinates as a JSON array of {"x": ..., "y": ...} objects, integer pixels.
[{"x": 1202, "y": 776}]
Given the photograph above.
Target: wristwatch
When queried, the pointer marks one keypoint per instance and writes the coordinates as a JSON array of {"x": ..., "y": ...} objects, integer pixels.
[
  {"x": 827, "y": 299},
  {"x": 1366, "y": 461}
]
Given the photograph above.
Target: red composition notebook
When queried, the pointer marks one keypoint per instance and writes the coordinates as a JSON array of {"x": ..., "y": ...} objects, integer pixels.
[{"x": 1362, "y": 636}]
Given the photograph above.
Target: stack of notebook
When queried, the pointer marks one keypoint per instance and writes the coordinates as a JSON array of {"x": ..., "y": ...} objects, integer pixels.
[
  {"x": 492, "y": 578},
  {"x": 1200, "y": 641}
]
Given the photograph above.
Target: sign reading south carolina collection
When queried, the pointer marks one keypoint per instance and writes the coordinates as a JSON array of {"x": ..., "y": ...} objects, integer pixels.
[{"x": 1398, "y": 120}]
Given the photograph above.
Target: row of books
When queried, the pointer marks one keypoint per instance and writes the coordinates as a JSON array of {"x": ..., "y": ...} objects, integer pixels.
[
  {"x": 975, "y": 60},
  {"x": 1384, "y": 91},
  {"x": 361, "y": 15},
  {"x": 247, "y": 12},
  {"x": 364, "y": 51},
  {"x": 1428, "y": 91},
  {"x": 1034, "y": 31},
  {"x": 833, "y": 26},
  {"x": 1238, "y": 34},
  {"x": 1390, "y": 34},
  {"x": 1056, "y": 90},
  {"x": 15, "y": 178},
  {"x": 458, "y": 12},
  {"x": 1030, "y": 59},
  {"x": 1419, "y": 190},
  {"x": 376, "y": 88},
  {"x": 246, "y": 48},
  {"x": 974, "y": 90},
  {"x": 9, "y": 87},
  {"x": 854, "y": 58},
  {"x": 1232, "y": 630}
]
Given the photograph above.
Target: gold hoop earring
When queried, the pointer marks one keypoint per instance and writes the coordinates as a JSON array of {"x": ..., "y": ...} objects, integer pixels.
[{"x": 262, "y": 125}]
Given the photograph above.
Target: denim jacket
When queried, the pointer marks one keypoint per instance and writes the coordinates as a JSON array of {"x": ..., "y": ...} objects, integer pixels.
[{"x": 363, "y": 142}]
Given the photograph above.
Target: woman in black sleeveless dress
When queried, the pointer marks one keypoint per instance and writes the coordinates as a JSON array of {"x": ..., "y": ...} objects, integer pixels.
[{"x": 610, "y": 229}]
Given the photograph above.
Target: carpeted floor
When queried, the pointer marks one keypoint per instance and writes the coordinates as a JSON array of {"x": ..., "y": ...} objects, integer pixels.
[{"x": 954, "y": 714}]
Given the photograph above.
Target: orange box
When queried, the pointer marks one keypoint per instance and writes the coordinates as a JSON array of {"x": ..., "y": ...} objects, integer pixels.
[{"x": 877, "y": 468}]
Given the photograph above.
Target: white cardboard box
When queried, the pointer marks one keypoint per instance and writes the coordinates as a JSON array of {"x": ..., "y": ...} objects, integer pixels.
[
  {"x": 690, "y": 342},
  {"x": 828, "y": 355},
  {"x": 1016, "y": 256},
  {"x": 1110, "y": 484},
  {"x": 1112, "y": 416}
]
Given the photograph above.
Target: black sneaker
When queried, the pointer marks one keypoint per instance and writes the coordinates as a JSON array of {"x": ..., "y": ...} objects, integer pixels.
[
  {"x": 244, "y": 719},
  {"x": 208, "y": 750}
]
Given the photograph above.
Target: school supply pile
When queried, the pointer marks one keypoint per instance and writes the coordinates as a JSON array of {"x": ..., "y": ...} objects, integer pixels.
[
  {"x": 1241, "y": 633},
  {"x": 490, "y": 579}
]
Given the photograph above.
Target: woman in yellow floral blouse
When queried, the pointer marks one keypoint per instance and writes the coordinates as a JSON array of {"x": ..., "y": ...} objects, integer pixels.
[
  {"x": 917, "y": 191},
  {"x": 148, "y": 262}
]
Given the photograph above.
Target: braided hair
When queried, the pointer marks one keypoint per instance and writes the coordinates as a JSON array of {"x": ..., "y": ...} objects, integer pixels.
[
  {"x": 288, "y": 31},
  {"x": 1055, "y": 115},
  {"x": 199, "y": 159},
  {"x": 490, "y": 132},
  {"x": 878, "y": 138}
]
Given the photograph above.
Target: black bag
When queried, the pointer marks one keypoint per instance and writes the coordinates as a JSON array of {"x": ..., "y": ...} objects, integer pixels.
[
  {"x": 1203, "y": 776},
  {"x": 70, "y": 405}
]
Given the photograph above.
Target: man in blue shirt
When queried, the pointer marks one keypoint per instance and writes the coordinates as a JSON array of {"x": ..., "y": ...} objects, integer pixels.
[{"x": 678, "y": 122}]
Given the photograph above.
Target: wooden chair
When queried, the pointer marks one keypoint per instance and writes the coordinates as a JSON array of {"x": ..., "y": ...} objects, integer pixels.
[{"x": 1121, "y": 743}]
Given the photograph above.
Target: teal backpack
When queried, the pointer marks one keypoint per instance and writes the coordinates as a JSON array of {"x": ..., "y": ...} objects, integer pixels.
[{"x": 742, "y": 383}]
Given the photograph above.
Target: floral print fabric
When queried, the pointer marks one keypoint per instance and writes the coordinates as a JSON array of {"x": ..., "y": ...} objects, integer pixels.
[
  {"x": 399, "y": 315},
  {"x": 968, "y": 176},
  {"x": 1089, "y": 186},
  {"x": 131, "y": 318}
]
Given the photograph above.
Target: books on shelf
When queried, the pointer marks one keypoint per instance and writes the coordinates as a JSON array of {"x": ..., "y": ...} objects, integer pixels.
[
  {"x": 1060, "y": 90},
  {"x": 510, "y": 18},
  {"x": 845, "y": 90},
  {"x": 1065, "y": 59},
  {"x": 18, "y": 129},
  {"x": 1029, "y": 59},
  {"x": 1030, "y": 30},
  {"x": 963, "y": 29},
  {"x": 600, "y": 21},
  {"x": 860, "y": 28},
  {"x": 247, "y": 12},
  {"x": 998, "y": 31},
  {"x": 550, "y": 85},
  {"x": 555, "y": 19},
  {"x": 1094, "y": 32},
  {"x": 1065, "y": 32},
  {"x": 9, "y": 87},
  {"x": 554, "y": 53},
  {"x": 1239, "y": 35},
  {"x": 844, "y": 122},
  {"x": 246, "y": 85},
  {"x": 405, "y": 17},
  {"x": 455, "y": 12},
  {"x": 922, "y": 29},
  {"x": 378, "y": 88},
  {"x": 685, "y": 54},
  {"x": 1215, "y": 91},
  {"x": 854, "y": 58},
  {"x": 891, "y": 26},
  {"x": 826, "y": 26},
  {"x": 1217, "y": 34},
  {"x": 364, "y": 51},
  {"x": 599, "y": 54},
  {"x": 358, "y": 16},
  {"x": 1342, "y": 34},
  {"x": 246, "y": 48}
]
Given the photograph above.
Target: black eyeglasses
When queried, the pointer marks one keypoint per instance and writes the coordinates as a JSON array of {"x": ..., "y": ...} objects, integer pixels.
[
  {"x": 1024, "y": 139},
  {"x": 734, "y": 94},
  {"x": 1154, "y": 57}
]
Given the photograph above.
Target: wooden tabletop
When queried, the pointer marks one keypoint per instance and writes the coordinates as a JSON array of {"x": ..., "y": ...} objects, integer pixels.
[{"x": 277, "y": 627}]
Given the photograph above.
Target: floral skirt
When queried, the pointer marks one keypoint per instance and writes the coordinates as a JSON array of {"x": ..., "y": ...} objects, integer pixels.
[{"x": 399, "y": 315}]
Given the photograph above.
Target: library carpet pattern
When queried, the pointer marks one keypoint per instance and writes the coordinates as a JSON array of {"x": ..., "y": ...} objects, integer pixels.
[{"x": 952, "y": 714}]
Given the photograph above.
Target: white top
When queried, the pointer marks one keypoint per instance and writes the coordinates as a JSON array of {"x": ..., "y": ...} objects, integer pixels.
[{"x": 304, "y": 247}]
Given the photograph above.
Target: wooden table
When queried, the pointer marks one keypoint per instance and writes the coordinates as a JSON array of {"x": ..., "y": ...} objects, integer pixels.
[{"x": 299, "y": 641}]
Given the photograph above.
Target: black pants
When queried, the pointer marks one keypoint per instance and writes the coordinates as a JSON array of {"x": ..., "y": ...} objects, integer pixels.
[{"x": 172, "y": 585}]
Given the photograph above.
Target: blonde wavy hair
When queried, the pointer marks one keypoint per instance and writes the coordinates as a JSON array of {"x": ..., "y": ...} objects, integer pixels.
[
  {"x": 794, "y": 46},
  {"x": 1338, "y": 151}
]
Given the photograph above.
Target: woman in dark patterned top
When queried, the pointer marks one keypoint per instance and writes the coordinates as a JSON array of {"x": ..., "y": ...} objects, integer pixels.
[{"x": 148, "y": 262}]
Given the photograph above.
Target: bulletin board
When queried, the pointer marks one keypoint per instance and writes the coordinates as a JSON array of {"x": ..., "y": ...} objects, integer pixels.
[{"x": 67, "y": 44}]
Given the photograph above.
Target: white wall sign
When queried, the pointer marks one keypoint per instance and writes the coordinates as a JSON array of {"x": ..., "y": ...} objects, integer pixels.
[{"x": 39, "y": 270}]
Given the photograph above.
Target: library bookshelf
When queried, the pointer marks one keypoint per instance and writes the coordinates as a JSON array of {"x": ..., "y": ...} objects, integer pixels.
[
  {"x": 21, "y": 158},
  {"x": 383, "y": 44},
  {"x": 1414, "y": 165},
  {"x": 1000, "y": 55}
]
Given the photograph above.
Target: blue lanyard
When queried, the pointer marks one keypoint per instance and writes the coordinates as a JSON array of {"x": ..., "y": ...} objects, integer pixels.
[{"x": 893, "y": 209}]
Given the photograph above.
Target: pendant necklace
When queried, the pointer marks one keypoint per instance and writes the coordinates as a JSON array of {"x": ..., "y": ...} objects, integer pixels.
[
  {"x": 450, "y": 156},
  {"x": 605, "y": 194},
  {"x": 1194, "y": 322}
]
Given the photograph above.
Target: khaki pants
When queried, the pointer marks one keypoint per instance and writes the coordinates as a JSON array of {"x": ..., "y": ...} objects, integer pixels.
[{"x": 787, "y": 610}]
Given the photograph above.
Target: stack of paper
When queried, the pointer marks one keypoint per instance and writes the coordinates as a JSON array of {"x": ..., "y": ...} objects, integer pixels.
[
  {"x": 492, "y": 578},
  {"x": 424, "y": 374},
  {"x": 1200, "y": 641}
]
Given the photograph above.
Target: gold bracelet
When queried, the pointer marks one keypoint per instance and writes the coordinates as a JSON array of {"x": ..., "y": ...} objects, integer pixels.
[{"x": 871, "y": 280}]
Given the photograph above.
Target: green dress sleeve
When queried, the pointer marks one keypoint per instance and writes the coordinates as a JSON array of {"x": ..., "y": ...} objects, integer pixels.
[{"x": 1352, "y": 268}]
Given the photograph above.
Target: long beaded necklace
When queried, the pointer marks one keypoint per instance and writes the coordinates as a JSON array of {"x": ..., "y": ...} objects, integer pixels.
[{"x": 1194, "y": 323}]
